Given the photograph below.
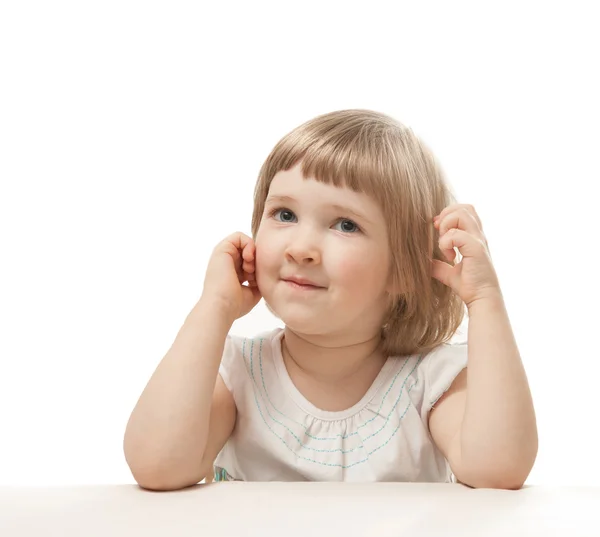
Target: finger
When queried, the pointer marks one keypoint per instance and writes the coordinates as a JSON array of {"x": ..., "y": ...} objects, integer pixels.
[
  {"x": 467, "y": 244},
  {"x": 229, "y": 245},
  {"x": 249, "y": 251},
  {"x": 443, "y": 272},
  {"x": 248, "y": 254},
  {"x": 449, "y": 254},
  {"x": 239, "y": 240},
  {"x": 456, "y": 206},
  {"x": 247, "y": 277},
  {"x": 236, "y": 244},
  {"x": 451, "y": 208},
  {"x": 229, "y": 248},
  {"x": 251, "y": 277},
  {"x": 460, "y": 219},
  {"x": 241, "y": 275},
  {"x": 445, "y": 211},
  {"x": 251, "y": 294}
]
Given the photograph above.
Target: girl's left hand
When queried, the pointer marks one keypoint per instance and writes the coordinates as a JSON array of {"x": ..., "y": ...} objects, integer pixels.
[{"x": 474, "y": 276}]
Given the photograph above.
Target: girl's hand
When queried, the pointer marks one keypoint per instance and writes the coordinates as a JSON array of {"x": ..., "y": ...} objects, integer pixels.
[
  {"x": 230, "y": 266},
  {"x": 474, "y": 276}
]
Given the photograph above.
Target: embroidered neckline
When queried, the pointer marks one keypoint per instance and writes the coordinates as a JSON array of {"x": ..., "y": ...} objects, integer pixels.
[{"x": 306, "y": 406}]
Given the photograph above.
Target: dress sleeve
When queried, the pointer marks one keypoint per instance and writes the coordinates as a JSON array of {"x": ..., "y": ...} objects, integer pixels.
[
  {"x": 227, "y": 362},
  {"x": 440, "y": 367}
]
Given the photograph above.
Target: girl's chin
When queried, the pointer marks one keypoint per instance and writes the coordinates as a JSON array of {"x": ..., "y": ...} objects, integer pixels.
[
  {"x": 300, "y": 322},
  {"x": 308, "y": 327}
]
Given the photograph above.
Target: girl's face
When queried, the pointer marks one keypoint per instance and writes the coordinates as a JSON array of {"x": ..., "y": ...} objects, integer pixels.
[{"x": 322, "y": 257}]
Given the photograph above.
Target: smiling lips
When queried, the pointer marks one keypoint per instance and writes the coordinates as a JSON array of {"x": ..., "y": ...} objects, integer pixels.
[{"x": 303, "y": 283}]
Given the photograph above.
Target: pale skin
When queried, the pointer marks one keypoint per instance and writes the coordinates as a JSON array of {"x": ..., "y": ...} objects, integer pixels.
[{"x": 484, "y": 424}]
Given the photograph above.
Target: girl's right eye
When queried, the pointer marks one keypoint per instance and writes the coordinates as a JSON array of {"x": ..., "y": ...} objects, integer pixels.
[{"x": 284, "y": 215}]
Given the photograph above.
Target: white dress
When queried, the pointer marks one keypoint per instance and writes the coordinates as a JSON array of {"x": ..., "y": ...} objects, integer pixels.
[{"x": 280, "y": 436}]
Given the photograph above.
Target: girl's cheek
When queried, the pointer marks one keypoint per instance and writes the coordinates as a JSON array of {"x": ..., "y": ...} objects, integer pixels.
[
  {"x": 265, "y": 256},
  {"x": 361, "y": 268},
  {"x": 349, "y": 269}
]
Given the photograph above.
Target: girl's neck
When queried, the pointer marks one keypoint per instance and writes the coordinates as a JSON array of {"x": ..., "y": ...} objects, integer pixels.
[{"x": 332, "y": 362}]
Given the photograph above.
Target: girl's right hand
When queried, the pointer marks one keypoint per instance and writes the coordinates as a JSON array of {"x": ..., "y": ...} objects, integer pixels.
[{"x": 230, "y": 266}]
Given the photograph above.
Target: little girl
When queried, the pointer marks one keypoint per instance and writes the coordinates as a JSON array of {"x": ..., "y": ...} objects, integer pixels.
[{"x": 354, "y": 230}]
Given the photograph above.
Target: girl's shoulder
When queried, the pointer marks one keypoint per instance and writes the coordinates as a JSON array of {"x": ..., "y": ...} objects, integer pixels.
[
  {"x": 435, "y": 372},
  {"x": 242, "y": 355},
  {"x": 239, "y": 340}
]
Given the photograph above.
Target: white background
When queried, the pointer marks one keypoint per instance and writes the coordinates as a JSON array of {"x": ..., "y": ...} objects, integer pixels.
[{"x": 131, "y": 134}]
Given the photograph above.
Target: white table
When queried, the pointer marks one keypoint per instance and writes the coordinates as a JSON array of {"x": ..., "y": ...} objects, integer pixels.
[{"x": 299, "y": 509}]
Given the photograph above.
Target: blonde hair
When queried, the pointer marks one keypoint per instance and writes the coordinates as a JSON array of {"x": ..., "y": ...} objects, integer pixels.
[{"x": 372, "y": 153}]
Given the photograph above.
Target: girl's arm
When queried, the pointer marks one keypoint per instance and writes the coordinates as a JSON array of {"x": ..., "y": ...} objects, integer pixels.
[
  {"x": 485, "y": 424},
  {"x": 168, "y": 433},
  {"x": 186, "y": 413}
]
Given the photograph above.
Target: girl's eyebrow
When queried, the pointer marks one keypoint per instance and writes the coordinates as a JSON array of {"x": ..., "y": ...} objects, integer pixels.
[
  {"x": 280, "y": 199},
  {"x": 350, "y": 212},
  {"x": 339, "y": 208}
]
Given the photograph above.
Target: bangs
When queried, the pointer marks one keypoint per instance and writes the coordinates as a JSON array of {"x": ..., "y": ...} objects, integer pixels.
[{"x": 354, "y": 152}]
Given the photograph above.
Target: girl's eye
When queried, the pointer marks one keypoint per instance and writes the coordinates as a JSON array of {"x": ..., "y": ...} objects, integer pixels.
[
  {"x": 347, "y": 226},
  {"x": 284, "y": 215}
]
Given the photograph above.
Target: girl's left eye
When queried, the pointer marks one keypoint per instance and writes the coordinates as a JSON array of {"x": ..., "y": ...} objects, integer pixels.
[
  {"x": 284, "y": 215},
  {"x": 347, "y": 226}
]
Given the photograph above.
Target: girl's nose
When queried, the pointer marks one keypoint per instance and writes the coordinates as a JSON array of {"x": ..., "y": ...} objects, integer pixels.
[{"x": 303, "y": 251}]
